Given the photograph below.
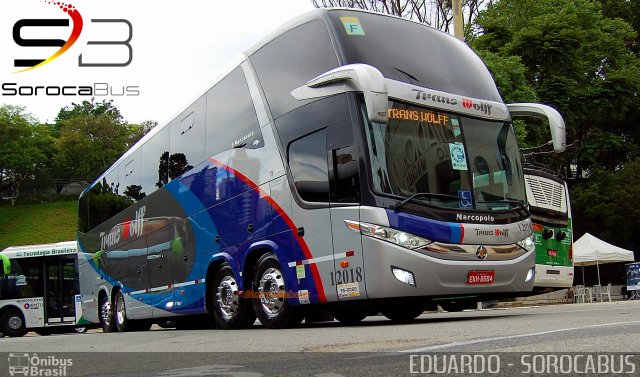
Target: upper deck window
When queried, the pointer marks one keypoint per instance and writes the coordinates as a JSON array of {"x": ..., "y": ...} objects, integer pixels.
[
  {"x": 291, "y": 60},
  {"x": 413, "y": 53}
]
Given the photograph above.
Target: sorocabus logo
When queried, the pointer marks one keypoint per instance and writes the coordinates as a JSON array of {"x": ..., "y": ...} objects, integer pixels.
[{"x": 64, "y": 45}]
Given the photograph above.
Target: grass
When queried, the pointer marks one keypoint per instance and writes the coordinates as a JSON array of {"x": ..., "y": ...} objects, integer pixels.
[{"x": 38, "y": 223}]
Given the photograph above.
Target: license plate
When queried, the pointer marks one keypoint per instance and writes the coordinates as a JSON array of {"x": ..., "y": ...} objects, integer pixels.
[
  {"x": 552, "y": 253},
  {"x": 481, "y": 277}
]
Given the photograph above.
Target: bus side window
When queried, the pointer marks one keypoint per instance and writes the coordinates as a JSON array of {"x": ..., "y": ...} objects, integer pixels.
[
  {"x": 308, "y": 163},
  {"x": 231, "y": 119}
]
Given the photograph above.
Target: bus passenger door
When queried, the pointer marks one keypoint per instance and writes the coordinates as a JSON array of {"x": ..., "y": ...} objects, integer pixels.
[
  {"x": 308, "y": 163},
  {"x": 61, "y": 289},
  {"x": 348, "y": 275}
]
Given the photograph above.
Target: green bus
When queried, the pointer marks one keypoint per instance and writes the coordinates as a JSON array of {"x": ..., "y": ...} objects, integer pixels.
[{"x": 550, "y": 208}]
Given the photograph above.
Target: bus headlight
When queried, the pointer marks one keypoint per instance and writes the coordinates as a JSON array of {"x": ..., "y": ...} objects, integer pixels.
[
  {"x": 529, "y": 243},
  {"x": 397, "y": 237}
]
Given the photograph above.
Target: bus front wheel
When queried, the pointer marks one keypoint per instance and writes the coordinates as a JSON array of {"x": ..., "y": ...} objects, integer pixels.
[
  {"x": 403, "y": 312},
  {"x": 271, "y": 306},
  {"x": 12, "y": 323},
  {"x": 230, "y": 311},
  {"x": 106, "y": 315}
]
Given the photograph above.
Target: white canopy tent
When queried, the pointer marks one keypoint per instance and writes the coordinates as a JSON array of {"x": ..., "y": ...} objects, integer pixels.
[{"x": 590, "y": 250}]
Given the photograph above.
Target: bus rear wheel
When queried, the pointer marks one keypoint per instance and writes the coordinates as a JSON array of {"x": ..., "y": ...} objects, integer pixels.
[
  {"x": 230, "y": 311},
  {"x": 271, "y": 307},
  {"x": 106, "y": 315},
  {"x": 120, "y": 315}
]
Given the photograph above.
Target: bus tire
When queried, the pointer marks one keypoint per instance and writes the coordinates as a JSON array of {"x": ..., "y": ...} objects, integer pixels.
[
  {"x": 349, "y": 315},
  {"x": 273, "y": 310},
  {"x": 12, "y": 323},
  {"x": 230, "y": 311},
  {"x": 106, "y": 314},
  {"x": 402, "y": 313},
  {"x": 456, "y": 306},
  {"x": 120, "y": 314}
]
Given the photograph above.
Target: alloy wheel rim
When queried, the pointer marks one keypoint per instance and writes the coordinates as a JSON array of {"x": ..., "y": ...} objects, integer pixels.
[
  {"x": 227, "y": 297},
  {"x": 105, "y": 310},
  {"x": 120, "y": 314},
  {"x": 272, "y": 292},
  {"x": 15, "y": 323}
]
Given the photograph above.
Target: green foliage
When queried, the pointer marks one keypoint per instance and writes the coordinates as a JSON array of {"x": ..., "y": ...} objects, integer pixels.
[
  {"x": 35, "y": 224},
  {"x": 91, "y": 137},
  {"x": 578, "y": 61},
  {"x": 26, "y": 148},
  {"x": 605, "y": 205}
]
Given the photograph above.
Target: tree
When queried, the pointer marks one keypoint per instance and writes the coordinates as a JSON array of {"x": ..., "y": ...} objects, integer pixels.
[
  {"x": 91, "y": 137},
  {"x": 604, "y": 205},
  {"x": 26, "y": 149},
  {"x": 577, "y": 61}
]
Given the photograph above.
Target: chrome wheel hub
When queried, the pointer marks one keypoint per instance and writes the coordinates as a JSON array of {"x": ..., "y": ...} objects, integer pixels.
[
  {"x": 105, "y": 312},
  {"x": 271, "y": 291},
  {"x": 15, "y": 323},
  {"x": 120, "y": 311},
  {"x": 227, "y": 297}
]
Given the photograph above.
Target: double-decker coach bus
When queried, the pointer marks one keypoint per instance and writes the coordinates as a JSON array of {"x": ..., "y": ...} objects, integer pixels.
[
  {"x": 39, "y": 289},
  {"x": 550, "y": 208},
  {"x": 351, "y": 161}
]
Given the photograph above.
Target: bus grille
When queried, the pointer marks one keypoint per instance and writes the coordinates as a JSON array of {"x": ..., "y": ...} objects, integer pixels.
[{"x": 546, "y": 193}]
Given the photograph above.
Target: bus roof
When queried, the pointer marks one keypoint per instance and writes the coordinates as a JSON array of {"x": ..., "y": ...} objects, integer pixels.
[{"x": 60, "y": 248}]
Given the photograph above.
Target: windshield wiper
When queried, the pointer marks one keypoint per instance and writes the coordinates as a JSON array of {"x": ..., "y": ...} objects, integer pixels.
[
  {"x": 428, "y": 195},
  {"x": 508, "y": 201}
]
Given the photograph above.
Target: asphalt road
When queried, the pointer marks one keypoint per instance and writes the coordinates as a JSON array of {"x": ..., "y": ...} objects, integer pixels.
[{"x": 373, "y": 347}]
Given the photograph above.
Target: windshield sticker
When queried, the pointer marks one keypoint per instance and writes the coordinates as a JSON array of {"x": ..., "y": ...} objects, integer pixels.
[
  {"x": 456, "y": 127},
  {"x": 352, "y": 25},
  {"x": 465, "y": 199},
  {"x": 21, "y": 280},
  {"x": 458, "y": 158}
]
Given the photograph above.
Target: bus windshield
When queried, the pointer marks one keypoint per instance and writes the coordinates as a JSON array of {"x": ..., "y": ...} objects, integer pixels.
[
  {"x": 471, "y": 163},
  {"x": 413, "y": 53}
]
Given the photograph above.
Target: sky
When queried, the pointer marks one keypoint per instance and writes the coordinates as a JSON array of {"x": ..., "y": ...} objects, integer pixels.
[{"x": 177, "y": 48}]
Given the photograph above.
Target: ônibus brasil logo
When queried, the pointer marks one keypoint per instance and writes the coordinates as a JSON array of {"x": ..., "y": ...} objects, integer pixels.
[{"x": 64, "y": 45}]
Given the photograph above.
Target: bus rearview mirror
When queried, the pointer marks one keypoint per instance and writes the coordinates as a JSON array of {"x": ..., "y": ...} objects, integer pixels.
[
  {"x": 556, "y": 123},
  {"x": 6, "y": 264},
  {"x": 351, "y": 78}
]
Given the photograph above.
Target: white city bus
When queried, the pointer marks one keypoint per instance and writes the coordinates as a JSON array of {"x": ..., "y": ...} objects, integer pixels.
[{"x": 39, "y": 289}]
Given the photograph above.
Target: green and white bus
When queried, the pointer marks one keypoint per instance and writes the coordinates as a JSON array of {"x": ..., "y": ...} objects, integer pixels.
[
  {"x": 39, "y": 289},
  {"x": 548, "y": 198}
]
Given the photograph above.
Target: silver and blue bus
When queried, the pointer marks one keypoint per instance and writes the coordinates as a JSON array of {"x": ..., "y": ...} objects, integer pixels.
[{"x": 350, "y": 162}]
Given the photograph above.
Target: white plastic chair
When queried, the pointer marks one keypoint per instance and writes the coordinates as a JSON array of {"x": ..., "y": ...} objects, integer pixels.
[
  {"x": 597, "y": 292},
  {"x": 579, "y": 294},
  {"x": 606, "y": 292}
]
